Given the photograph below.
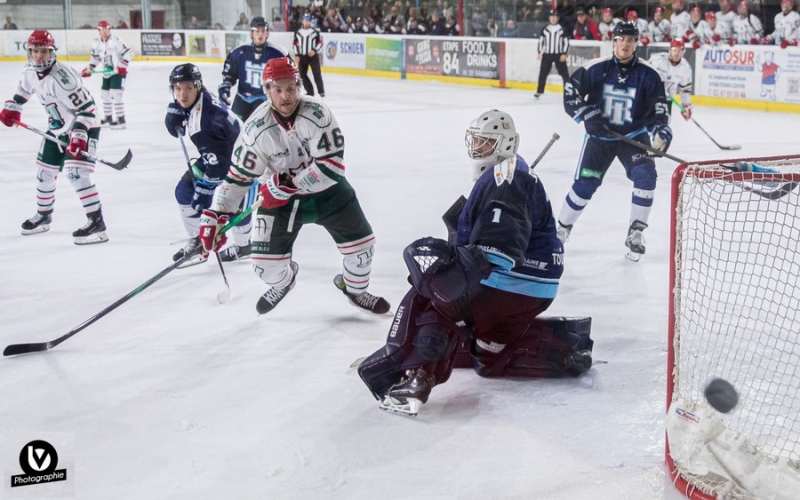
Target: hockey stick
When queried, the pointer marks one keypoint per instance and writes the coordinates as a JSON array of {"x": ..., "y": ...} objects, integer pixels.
[
  {"x": 545, "y": 150},
  {"x": 771, "y": 194},
  {"x": 120, "y": 165},
  {"x": 15, "y": 349},
  {"x": 720, "y": 146},
  {"x": 223, "y": 296}
]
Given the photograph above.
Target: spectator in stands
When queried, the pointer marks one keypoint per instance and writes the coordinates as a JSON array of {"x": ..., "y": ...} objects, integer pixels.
[
  {"x": 414, "y": 28},
  {"x": 540, "y": 18},
  {"x": 453, "y": 29},
  {"x": 438, "y": 27},
  {"x": 193, "y": 24},
  {"x": 394, "y": 16},
  {"x": 492, "y": 27},
  {"x": 9, "y": 24},
  {"x": 243, "y": 24},
  {"x": 372, "y": 27},
  {"x": 510, "y": 31},
  {"x": 122, "y": 24},
  {"x": 358, "y": 26},
  {"x": 478, "y": 23},
  {"x": 316, "y": 17},
  {"x": 585, "y": 28}
]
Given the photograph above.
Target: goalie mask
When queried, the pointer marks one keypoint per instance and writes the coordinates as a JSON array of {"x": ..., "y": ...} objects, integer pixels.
[
  {"x": 490, "y": 139},
  {"x": 41, "y": 47}
]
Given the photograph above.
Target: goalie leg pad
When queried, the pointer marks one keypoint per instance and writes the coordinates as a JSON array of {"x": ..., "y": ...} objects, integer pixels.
[{"x": 419, "y": 336}]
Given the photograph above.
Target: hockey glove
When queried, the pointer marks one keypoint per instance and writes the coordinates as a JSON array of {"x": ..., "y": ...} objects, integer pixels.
[
  {"x": 645, "y": 41},
  {"x": 715, "y": 37},
  {"x": 754, "y": 41},
  {"x": 593, "y": 121},
  {"x": 176, "y": 119},
  {"x": 225, "y": 91},
  {"x": 785, "y": 43},
  {"x": 12, "y": 112},
  {"x": 203, "y": 194},
  {"x": 86, "y": 72},
  {"x": 687, "y": 112},
  {"x": 210, "y": 224},
  {"x": 78, "y": 142},
  {"x": 277, "y": 191},
  {"x": 662, "y": 137},
  {"x": 696, "y": 44},
  {"x": 122, "y": 70},
  {"x": 732, "y": 42}
]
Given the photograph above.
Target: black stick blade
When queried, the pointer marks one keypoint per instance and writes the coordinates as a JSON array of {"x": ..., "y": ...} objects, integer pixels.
[
  {"x": 17, "y": 349},
  {"x": 123, "y": 163}
]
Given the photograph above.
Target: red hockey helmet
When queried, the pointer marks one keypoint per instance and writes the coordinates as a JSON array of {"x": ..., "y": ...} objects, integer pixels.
[
  {"x": 279, "y": 68},
  {"x": 743, "y": 4},
  {"x": 659, "y": 10},
  {"x": 103, "y": 24},
  {"x": 41, "y": 39},
  {"x": 608, "y": 10},
  {"x": 632, "y": 15},
  {"x": 710, "y": 15},
  {"x": 677, "y": 42},
  {"x": 696, "y": 10}
]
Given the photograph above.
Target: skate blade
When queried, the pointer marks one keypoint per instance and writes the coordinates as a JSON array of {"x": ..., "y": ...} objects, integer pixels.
[
  {"x": 633, "y": 256},
  {"x": 91, "y": 239},
  {"x": 119, "y": 127},
  {"x": 236, "y": 259},
  {"x": 409, "y": 409},
  {"x": 197, "y": 259},
  {"x": 40, "y": 229}
]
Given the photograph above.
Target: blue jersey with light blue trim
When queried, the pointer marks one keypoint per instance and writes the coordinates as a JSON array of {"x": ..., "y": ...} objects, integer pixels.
[
  {"x": 513, "y": 224},
  {"x": 213, "y": 129},
  {"x": 630, "y": 96},
  {"x": 245, "y": 65}
]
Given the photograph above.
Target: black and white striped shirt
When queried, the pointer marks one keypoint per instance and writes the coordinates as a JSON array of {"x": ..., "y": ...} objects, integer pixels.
[
  {"x": 306, "y": 39},
  {"x": 553, "y": 41}
]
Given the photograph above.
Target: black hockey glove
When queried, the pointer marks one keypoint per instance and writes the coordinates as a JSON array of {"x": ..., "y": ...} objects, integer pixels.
[
  {"x": 662, "y": 137},
  {"x": 176, "y": 119},
  {"x": 225, "y": 92},
  {"x": 203, "y": 195},
  {"x": 593, "y": 121}
]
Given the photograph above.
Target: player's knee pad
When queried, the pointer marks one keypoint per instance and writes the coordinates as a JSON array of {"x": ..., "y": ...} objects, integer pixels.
[
  {"x": 105, "y": 96},
  {"x": 585, "y": 187},
  {"x": 275, "y": 273},
  {"x": 47, "y": 175},
  {"x": 79, "y": 177},
  {"x": 643, "y": 174},
  {"x": 419, "y": 336},
  {"x": 116, "y": 95}
]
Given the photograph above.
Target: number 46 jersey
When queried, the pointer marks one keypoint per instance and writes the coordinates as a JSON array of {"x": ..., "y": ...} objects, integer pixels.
[
  {"x": 308, "y": 147},
  {"x": 63, "y": 96}
]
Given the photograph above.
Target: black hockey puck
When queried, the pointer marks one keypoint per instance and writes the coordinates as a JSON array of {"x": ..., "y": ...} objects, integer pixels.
[{"x": 721, "y": 395}]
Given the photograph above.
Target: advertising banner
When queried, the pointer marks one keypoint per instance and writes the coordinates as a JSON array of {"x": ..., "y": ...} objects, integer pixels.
[
  {"x": 384, "y": 54},
  {"x": 423, "y": 57},
  {"x": 233, "y": 40},
  {"x": 345, "y": 50},
  {"x": 163, "y": 43},
  {"x": 206, "y": 44},
  {"x": 471, "y": 58}
]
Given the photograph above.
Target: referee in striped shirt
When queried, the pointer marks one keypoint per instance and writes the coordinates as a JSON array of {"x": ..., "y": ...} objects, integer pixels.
[
  {"x": 553, "y": 47},
  {"x": 307, "y": 44}
]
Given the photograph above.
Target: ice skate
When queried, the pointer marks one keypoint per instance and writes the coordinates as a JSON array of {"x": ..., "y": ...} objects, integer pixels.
[
  {"x": 563, "y": 231},
  {"x": 119, "y": 123},
  {"x": 235, "y": 252},
  {"x": 537, "y": 95},
  {"x": 193, "y": 248},
  {"x": 365, "y": 300},
  {"x": 635, "y": 241},
  {"x": 106, "y": 121},
  {"x": 407, "y": 396},
  {"x": 577, "y": 362},
  {"x": 273, "y": 296},
  {"x": 94, "y": 231},
  {"x": 39, "y": 223}
]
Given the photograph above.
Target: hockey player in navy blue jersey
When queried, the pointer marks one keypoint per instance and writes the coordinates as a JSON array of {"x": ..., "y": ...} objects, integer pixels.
[
  {"x": 624, "y": 94},
  {"x": 486, "y": 288},
  {"x": 245, "y": 64},
  {"x": 213, "y": 129}
]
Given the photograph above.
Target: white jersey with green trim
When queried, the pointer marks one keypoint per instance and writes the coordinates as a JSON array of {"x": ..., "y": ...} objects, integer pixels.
[
  {"x": 309, "y": 149},
  {"x": 109, "y": 55},
  {"x": 63, "y": 95},
  {"x": 677, "y": 78}
]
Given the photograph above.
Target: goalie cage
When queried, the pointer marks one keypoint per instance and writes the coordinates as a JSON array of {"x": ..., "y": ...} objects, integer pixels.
[{"x": 734, "y": 300}]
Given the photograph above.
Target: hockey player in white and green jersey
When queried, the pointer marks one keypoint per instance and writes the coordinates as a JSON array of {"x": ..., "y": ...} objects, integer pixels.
[
  {"x": 676, "y": 73},
  {"x": 71, "y": 119},
  {"x": 294, "y": 144},
  {"x": 111, "y": 55}
]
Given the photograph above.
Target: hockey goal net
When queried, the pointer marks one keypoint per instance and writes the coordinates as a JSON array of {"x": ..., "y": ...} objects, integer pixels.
[{"x": 734, "y": 302}]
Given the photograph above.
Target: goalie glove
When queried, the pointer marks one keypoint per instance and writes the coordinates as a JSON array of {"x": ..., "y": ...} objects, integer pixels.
[
  {"x": 662, "y": 137},
  {"x": 210, "y": 224},
  {"x": 277, "y": 191},
  {"x": 12, "y": 113}
]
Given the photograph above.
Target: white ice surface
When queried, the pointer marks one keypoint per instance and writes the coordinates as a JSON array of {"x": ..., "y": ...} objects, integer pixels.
[{"x": 173, "y": 395}]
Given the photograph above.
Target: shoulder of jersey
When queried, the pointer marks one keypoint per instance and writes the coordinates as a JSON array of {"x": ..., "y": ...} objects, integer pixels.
[
  {"x": 315, "y": 112},
  {"x": 595, "y": 62},
  {"x": 65, "y": 76},
  {"x": 259, "y": 121}
]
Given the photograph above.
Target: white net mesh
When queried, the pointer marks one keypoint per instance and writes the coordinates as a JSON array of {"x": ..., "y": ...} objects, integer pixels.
[{"x": 736, "y": 314}]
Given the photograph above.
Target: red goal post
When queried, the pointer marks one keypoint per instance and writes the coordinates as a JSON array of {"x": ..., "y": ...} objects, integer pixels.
[{"x": 734, "y": 314}]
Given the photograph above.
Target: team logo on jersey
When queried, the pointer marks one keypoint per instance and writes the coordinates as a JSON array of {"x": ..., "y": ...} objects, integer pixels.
[{"x": 618, "y": 104}]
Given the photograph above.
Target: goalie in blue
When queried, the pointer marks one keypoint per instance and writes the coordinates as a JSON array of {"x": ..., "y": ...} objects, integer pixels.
[
  {"x": 623, "y": 94},
  {"x": 479, "y": 296}
]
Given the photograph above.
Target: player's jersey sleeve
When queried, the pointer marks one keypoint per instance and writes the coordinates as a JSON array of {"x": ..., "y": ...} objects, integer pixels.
[
  {"x": 230, "y": 70},
  {"x": 96, "y": 54},
  {"x": 122, "y": 54},
  {"x": 318, "y": 130},
  {"x": 579, "y": 86}
]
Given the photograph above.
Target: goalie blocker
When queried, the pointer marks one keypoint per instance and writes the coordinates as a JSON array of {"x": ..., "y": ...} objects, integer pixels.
[{"x": 431, "y": 332}]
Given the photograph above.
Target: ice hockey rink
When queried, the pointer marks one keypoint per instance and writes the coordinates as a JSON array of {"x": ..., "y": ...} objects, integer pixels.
[{"x": 173, "y": 395}]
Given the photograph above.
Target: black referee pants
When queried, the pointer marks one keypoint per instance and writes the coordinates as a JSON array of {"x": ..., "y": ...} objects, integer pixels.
[
  {"x": 547, "y": 63},
  {"x": 313, "y": 62}
]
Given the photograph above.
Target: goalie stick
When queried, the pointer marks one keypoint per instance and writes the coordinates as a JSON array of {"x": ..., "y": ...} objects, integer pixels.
[
  {"x": 720, "y": 146},
  {"x": 770, "y": 194},
  {"x": 545, "y": 150},
  {"x": 16, "y": 349},
  {"x": 120, "y": 165},
  {"x": 223, "y": 295}
]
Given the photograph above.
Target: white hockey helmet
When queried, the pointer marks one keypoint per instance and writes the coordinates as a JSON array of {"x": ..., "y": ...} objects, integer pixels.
[{"x": 490, "y": 139}]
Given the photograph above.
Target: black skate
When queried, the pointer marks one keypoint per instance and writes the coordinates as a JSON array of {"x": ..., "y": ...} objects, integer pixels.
[
  {"x": 106, "y": 121},
  {"x": 407, "y": 396},
  {"x": 365, "y": 300},
  {"x": 235, "y": 252},
  {"x": 94, "y": 231},
  {"x": 39, "y": 223},
  {"x": 119, "y": 123},
  {"x": 270, "y": 299},
  {"x": 635, "y": 240},
  {"x": 192, "y": 248}
]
